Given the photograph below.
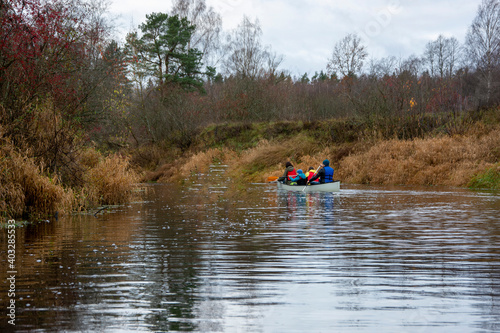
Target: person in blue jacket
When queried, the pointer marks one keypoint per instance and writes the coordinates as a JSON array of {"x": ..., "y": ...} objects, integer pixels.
[{"x": 325, "y": 174}]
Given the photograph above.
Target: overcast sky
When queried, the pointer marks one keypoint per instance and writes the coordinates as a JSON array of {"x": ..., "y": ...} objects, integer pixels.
[{"x": 305, "y": 31}]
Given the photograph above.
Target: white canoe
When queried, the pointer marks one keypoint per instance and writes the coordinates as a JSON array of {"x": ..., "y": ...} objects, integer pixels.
[{"x": 328, "y": 187}]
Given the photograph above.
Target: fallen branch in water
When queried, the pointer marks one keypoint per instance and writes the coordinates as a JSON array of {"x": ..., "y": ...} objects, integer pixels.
[{"x": 101, "y": 209}]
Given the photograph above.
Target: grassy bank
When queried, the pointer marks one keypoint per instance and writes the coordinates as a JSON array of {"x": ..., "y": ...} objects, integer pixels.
[
  {"x": 448, "y": 160},
  {"x": 48, "y": 165},
  {"x": 30, "y": 191},
  {"x": 358, "y": 153},
  {"x": 487, "y": 179},
  {"x": 467, "y": 156}
]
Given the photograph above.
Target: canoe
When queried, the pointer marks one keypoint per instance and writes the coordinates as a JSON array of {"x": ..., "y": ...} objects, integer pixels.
[{"x": 328, "y": 187}]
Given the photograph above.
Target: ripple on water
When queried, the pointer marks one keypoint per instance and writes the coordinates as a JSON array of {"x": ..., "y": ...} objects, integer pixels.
[{"x": 210, "y": 258}]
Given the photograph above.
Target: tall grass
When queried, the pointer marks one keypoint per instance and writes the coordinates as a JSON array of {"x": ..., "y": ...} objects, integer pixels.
[
  {"x": 447, "y": 160},
  {"x": 30, "y": 191},
  {"x": 25, "y": 190},
  {"x": 489, "y": 178},
  {"x": 182, "y": 167},
  {"x": 109, "y": 181}
]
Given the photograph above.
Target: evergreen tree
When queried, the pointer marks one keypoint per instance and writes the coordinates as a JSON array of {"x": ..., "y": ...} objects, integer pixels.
[{"x": 163, "y": 50}]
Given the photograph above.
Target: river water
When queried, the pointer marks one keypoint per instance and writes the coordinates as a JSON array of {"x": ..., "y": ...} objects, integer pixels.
[{"x": 212, "y": 257}]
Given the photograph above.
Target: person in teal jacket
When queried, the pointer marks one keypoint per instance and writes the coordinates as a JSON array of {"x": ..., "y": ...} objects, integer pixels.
[{"x": 300, "y": 179}]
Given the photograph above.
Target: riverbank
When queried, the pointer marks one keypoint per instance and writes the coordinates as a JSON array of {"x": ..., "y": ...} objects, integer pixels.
[
  {"x": 255, "y": 152},
  {"x": 28, "y": 190},
  {"x": 461, "y": 154}
]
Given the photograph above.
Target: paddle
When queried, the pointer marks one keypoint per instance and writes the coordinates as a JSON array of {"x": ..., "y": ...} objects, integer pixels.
[
  {"x": 317, "y": 170},
  {"x": 307, "y": 183},
  {"x": 272, "y": 179}
]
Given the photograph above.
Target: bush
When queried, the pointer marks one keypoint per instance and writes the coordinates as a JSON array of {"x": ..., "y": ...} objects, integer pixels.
[
  {"x": 109, "y": 182},
  {"x": 28, "y": 191},
  {"x": 24, "y": 188}
]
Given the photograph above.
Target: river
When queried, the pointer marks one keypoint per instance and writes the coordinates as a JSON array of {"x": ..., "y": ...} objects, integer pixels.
[{"x": 214, "y": 257}]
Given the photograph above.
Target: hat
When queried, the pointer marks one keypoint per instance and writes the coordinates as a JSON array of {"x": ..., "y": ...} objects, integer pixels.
[
  {"x": 326, "y": 162},
  {"x": 288, "y": 164},
  {"x": 300, "y": 171}
]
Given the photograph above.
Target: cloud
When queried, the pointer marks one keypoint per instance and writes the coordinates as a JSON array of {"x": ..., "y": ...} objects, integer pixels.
[
  {"x": 132, "y": 13},
  {"x": 305, "y": 31}
]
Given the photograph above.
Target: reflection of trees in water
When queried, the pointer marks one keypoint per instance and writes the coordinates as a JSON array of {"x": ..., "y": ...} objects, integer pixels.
[
  {"x": 89, "y": 272},
  {"x": 191, "y": 259},
  {"x": 175, "y": 275},
  {"x": 168, "y": 248},
  {"x": 37, "y": 288},
  {"x": 60, "y": 265}
]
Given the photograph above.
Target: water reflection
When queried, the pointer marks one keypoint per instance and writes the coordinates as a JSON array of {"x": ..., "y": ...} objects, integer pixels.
[
  {"x": 309, "y": 206},
  {"x": 208, "y": 257}
]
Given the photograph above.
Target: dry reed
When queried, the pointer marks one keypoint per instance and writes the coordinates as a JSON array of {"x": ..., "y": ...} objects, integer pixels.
[
  {"x": 269, "y": 158},
  {"x": 148, "y": 157},
  {"x": 110, "y": 182},
  {"x": 193, "y": 164},
  {"x": 25, "y": 190},
  {"x": 445, "y": 160},
  {"x": 89, "y": 158}
]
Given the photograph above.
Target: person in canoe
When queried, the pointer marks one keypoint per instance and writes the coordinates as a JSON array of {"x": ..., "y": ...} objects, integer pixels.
[
  {"x": 300, "y": 179},
  {"x": 325, "y": 174},
  {"x": 288, "y": 174},
  {"x": 310, "y": 173}
]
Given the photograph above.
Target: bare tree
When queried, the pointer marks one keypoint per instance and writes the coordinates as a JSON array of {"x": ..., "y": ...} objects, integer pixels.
[
  {"x": 483, "y": 43},
  {"x": 442, "y": 56},
  {"x": 246, "y": 56},
  {"x": 384, "y": 66},
  {"x": 348, "y": 56},
  {"x": 274, "y": 60},
  {"x": 208, "y": 27},
  {"x": 431, "y": 55},
  {"x": 411, "y": 65},
  {"x": 455, "y": 55}
]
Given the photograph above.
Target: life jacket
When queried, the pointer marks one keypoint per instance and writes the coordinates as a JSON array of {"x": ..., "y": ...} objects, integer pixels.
[
  {"x": 328, "y": 174},
  {"x": 310, "y": 174},
  {"x": 291, "y": 174},
  {"x": 300, "y": 179}
]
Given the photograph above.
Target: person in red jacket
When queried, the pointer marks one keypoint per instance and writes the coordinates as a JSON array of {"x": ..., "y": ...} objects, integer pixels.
[
  {"x": 310, "y": 173},
  {"x": 288, "y": 174}
]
